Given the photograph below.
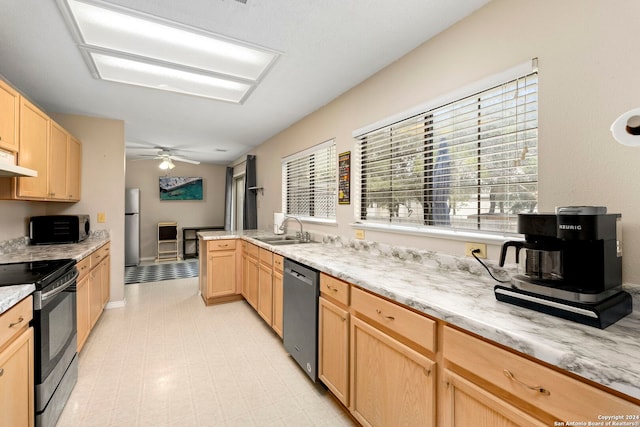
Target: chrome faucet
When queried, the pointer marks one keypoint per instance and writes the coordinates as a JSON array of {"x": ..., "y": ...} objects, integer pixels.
[{"x": 305, "y": 237}]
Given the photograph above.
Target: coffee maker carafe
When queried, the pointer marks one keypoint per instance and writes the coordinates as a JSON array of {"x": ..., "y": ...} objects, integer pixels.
[{"x": 569, "y": 265}]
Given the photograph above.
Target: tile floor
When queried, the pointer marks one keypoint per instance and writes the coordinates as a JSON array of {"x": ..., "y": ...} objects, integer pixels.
[{"x": 167, "y": 360}]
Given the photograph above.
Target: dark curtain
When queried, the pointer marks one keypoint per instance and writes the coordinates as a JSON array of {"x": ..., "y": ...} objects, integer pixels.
[
  {"x": 228, "y": 198},
  {"x": 250, "y": 215}
]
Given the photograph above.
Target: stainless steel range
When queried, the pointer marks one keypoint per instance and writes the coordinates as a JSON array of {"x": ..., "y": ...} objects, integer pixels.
[{"x": 55, "y": 327}]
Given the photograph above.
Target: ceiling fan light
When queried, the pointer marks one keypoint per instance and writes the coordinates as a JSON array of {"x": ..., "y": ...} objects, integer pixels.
[{"x": 166, "y": 163}]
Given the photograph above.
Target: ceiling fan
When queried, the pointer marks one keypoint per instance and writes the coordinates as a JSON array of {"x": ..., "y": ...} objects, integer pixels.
[{"x": 167, "y": 158}]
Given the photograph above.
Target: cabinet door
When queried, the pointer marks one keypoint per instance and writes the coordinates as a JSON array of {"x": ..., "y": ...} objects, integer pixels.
[
  {"x": 95, "y": 294},
  {"x": 74, "y": 169},
  {"x": 105, "y": 280},
  {"x": 391, "y": 384},
  {"x": 9, "y": 114},
  {"x": 276, "y": 322},
  {"x": 58, "y": 139},
  {"x": 16, "y": 382},
  {"x": 466, "y": 404},
  {"x": 252, "y": 282},
  {"x": 265, "y": 293},
  {"x": 221, "y": 266},
  {"x": 333, "y": 349},
  {"x": 34, "y": 136},
  {"x": 82, "y": 304}
]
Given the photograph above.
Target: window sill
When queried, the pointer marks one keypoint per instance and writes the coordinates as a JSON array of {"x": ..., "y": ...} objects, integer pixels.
[{"x": 441, "y": 233}]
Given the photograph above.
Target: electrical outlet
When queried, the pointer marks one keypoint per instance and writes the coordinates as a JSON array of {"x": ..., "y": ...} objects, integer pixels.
[
  {"x": 470, "y": 247},
  {"x": 102, "y": 217},
  {"x": 360, "y": 234}
]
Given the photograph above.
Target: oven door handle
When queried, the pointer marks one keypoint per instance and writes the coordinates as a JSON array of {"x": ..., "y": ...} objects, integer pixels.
[{"x": 60, "y": 288}]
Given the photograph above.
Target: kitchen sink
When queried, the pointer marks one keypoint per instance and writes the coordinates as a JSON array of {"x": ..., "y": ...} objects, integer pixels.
[
  {"x": 271, "y": 239},
  {"x": 282, "y": 240}
]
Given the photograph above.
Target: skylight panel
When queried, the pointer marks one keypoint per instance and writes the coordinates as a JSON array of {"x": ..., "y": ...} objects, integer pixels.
[{"x": 105, "y": 30}]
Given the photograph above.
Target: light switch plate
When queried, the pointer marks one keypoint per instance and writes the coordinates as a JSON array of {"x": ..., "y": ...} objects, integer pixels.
[
  {"x": 102, "y": 217},
  {"x": 360, "y": 234}
]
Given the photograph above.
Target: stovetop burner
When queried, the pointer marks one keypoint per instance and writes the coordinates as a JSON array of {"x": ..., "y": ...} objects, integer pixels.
[{"x": 39, "y": 273}]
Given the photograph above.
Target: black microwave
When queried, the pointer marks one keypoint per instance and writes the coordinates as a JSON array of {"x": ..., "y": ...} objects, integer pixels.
[{"x": 50, "y": 229}]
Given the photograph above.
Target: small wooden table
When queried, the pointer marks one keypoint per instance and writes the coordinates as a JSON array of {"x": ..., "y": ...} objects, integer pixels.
[{"x": 190, "y": 234}]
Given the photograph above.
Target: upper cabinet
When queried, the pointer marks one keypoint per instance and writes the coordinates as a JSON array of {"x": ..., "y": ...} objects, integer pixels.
[
  {"x": 43, "y": 145},
  {"x": 9, "y": 111}
]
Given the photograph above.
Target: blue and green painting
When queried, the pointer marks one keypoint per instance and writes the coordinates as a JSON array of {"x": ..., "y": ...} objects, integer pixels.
[{"x": 180, "y": 188}]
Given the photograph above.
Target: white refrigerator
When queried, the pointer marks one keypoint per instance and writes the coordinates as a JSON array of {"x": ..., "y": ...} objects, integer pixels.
[{"x": 132, "y": 226}]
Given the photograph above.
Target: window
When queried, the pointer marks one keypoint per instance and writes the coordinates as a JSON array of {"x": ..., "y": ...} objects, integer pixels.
[
  {"x": 310, "y": 184},
  {"x": 470, "y": 164}
]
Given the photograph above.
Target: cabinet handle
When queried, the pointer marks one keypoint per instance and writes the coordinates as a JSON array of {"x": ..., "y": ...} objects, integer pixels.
[
  {"x": 426, "y": 371},
  {"x": 1, "y": 372},
  {"x": 333, "y": 289},
  {"x": 537, "y": 388},
  {"x": 20, "y": 320},
  {"x": 382, "y": 315}
]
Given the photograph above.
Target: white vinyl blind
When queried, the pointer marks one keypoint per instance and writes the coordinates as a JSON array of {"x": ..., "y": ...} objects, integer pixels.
[
  {"x": 471, "y": 164},
  {"x": 310, "y": 182}
]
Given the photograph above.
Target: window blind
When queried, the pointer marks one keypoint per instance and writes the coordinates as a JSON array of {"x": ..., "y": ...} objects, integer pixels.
[
  {"x": 469, "y": 164},
  {"x": 310, "y": 182}
]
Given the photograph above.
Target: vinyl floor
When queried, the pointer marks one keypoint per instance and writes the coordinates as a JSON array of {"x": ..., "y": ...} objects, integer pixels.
[{"x": 165, "y": 359}]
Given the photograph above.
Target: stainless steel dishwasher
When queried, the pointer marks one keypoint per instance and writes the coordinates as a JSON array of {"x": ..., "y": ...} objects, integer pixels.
[{"x": 300, "y": 315}]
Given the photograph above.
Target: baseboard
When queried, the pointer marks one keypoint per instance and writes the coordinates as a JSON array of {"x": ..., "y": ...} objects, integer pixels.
[{"x": 115, "y": 304}]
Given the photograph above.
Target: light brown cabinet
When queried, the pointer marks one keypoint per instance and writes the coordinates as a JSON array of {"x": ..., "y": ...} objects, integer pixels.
[
  {"x": 333, "y": 336},
  {"x": 42, "y": 145},
  {"x": 218, "y": 281},
  {"x": 92, "y": 290},
  {"x": 278, "y": 296},
  {"x": 33, "y": 154},
  {"x": 250, "y": 274},
  {"x": 265, "y": 286},
  {"x": 403, "y": 389},
  {"x": 483, "y": 378},
  {"x": 9, "y": 117},
  {"x": 17, "y": 366}
]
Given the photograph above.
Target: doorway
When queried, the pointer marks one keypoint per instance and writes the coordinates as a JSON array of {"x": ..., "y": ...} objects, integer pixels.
[{"x": 238, "y": 204}]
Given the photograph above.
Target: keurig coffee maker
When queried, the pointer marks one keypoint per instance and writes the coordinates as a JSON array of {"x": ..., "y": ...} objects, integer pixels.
[{"x": 569, "y": 265}]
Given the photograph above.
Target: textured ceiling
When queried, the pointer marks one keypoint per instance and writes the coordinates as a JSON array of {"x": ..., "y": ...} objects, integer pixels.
[{"x": 328, "y": 46}]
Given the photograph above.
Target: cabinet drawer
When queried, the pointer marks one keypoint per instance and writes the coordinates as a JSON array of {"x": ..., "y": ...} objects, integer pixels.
[
  {"x": 404, "y": 322},
  {"x": 83, "y": 266},
  {"x": 266, "y": 257},
  {"x": 97, "y": 256},
  {"x": 106, "y": 250},
  {"x": 253, "y": 251},
  {"x": 15, "y": 319},
  {"x": 221, "y": 245},
  {"x": 556, "y": 394},
  {"x": 335, "y": 289},
  {"x": 278, "y": 262}
]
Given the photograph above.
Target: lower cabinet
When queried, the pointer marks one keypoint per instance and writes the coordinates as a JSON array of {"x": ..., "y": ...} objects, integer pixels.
[
  {"x": 278, "y": 295},
  {"x": 219, "y": 271},
  {"x": 491, "y": 382},
  {"x": 391, "y": 384},
  {"x": 93, "y": 290},
  {"x": 17, "y": 366},
  {"x": 250, "y": 274},
  {"x": 265, "y": 286},
  {"x": 470, "y": 405},
  {"x": 333, "y": 348}
]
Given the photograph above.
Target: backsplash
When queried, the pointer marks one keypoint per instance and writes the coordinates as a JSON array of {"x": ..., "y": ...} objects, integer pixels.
[{"x": 432, "y": 259}]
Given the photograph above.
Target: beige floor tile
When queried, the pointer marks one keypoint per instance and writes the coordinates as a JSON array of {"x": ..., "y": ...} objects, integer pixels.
[{"x": 165, "y": 359}]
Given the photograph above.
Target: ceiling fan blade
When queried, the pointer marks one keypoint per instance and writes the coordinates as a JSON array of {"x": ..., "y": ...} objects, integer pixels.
[{"x": 180, "y": 159}]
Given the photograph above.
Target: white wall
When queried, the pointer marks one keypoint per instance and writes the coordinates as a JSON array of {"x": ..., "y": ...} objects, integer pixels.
[
  {"x": 189, "y": 213},
  {"x": 102, "y": 187},
  {"x": 588, "y": 76}
]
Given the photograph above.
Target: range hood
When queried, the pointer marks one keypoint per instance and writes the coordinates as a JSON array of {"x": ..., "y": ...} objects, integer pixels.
[{"x": 9, "y": 168}]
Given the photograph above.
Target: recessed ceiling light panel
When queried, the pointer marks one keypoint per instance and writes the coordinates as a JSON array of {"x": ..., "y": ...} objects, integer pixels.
[
  {"x": 123, "y": 70},
  {"x": 122, "y": 32}
]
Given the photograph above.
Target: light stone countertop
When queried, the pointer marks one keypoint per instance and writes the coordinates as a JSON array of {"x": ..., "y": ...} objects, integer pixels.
[
  {"x": 460, "y": 292},
  {"x": 19, "y": 250}
]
